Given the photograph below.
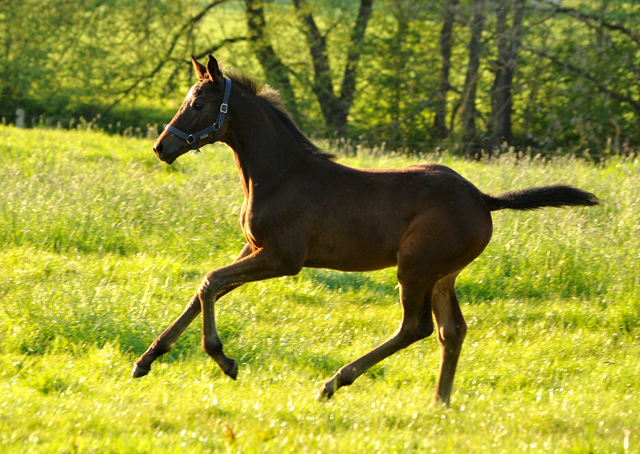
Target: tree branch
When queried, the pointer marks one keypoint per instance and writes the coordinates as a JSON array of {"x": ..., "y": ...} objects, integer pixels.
[
  {"x": 585, "y": 17},
  {"x": 590, "y": 77},
  {"x": 347, "y": 92},
  {"x": 189, "y": 23},
  {"x": 214, "y": 49},
  {"x": 323, "y": 85}
]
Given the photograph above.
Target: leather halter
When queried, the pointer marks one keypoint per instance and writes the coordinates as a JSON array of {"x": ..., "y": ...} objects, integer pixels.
[{"x": 214, "y": 128}]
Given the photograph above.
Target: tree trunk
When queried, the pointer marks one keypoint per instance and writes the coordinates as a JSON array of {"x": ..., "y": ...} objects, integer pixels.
[
  {"x": 397, "y": 61},
  {"x": 273, "y": 67},
  {"x": 348, "y": 89},
  {"x": 446, "y": 44},
  {"x": 470, "y": 137},
  {"x": 501, "y": 98},
  {"x": 335, "y": 110}
]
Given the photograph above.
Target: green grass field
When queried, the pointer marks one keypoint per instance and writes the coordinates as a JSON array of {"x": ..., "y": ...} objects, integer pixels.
[{"x": 102, "y": 246}]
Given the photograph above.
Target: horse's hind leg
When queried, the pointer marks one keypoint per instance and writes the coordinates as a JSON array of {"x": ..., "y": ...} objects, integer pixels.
[
  {"x": 165, "y": 341},
  {"x": 451, "y": 329},
  {"x": 417, "y": 323}
]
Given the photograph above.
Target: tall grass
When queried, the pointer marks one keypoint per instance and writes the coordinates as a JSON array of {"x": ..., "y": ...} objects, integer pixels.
[{"x": 101, "y": 246}]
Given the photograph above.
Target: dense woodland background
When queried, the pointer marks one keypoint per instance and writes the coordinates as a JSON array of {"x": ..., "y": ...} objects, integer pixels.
[{"x": 468, "y": 75}]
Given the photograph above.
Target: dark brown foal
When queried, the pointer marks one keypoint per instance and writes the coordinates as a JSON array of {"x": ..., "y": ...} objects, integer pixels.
[{"x": 301, "y": 209}]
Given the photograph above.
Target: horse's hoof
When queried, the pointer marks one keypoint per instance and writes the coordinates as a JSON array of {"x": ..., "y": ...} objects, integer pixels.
[
  {"x": 323, "y": 394},
  {"x": 138, "y": 371},
  {"x": 233, "y": 372},
  {"x": 327, "y": 390}
]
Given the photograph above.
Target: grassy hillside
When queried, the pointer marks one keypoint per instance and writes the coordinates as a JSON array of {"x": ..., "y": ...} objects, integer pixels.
[{"x": 101, "y": 246}]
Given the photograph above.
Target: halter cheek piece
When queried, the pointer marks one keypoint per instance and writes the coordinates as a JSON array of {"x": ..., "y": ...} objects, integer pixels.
[{"x": 214, "y": 128}]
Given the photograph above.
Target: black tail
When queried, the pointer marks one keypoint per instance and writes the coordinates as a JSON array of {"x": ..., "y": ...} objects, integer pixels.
[{"x": 548, "y": 196}]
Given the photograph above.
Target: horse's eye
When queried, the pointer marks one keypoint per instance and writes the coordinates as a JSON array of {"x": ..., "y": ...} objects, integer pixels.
[{"x": 198, "y": 106}]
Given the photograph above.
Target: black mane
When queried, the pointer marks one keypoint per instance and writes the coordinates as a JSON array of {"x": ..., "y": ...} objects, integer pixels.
[{"x": 275, "y": 101}]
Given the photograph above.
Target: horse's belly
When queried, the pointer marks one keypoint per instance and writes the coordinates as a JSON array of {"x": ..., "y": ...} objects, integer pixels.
[
  {"x": 348, "y": 252},
  {"x": 350, "y": 264}
]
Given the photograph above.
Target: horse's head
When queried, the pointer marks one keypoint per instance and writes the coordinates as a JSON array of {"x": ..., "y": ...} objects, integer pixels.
[{"x": 200, "y": 119}]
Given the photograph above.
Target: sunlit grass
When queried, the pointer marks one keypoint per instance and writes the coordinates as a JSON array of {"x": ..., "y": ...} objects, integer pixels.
[{"x": 102, "y": 246}]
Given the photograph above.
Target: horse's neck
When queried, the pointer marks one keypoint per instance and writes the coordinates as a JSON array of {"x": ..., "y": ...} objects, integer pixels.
[{"x": 265, "y": 152}]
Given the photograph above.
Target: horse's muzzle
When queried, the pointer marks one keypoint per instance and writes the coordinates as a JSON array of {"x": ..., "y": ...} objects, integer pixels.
[
  {"x": 161, "y": 152},
  {"x": 157, "y": 148}
]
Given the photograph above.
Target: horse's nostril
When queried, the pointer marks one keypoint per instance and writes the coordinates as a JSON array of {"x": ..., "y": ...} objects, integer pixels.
[{"x": 158, "y": 148}]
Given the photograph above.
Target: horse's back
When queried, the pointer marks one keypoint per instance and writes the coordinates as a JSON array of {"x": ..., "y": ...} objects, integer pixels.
[{"x": 360, "y": 217}]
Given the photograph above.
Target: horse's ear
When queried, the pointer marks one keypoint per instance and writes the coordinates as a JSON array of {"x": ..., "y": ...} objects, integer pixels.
[
  {"x": 199, "y": 68},
  {"x": 213, "y": 69}
]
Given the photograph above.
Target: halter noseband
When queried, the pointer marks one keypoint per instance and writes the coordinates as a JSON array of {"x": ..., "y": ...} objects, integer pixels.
[{"x": 214, "y": 128}]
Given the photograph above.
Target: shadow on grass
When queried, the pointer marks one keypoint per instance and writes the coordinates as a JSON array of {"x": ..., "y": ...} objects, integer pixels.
[{"x": 352, "y": 281}]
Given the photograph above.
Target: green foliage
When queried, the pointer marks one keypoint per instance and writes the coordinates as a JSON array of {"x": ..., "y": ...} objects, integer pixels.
[
  {"x": 579, "y": 100},
  {"x": 575, "y": 85},
  {"x": 65, "y": 58},
  {"x": 101, "y": 246}
]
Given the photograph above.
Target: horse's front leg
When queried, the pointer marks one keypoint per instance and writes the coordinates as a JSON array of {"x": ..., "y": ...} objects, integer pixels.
[
  {"x": 258, "y": 266},
  {"x": 165, "y": 341}
]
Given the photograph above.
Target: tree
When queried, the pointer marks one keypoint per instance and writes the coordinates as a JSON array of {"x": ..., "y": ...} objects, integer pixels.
[
  {"x": 64, "y": 58},
  {"x": 508, "y": 42},
  {"x": 538, "y": 74},
  {"x": 271, "y": 63},
  {"x": 597, "y": 104},
  {"x": 335, "y": 107},
  {"x": 470, "y": 135},
  {"x": 446, "y": 46}
]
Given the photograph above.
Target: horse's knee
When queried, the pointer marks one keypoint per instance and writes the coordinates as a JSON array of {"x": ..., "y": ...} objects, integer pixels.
[
  {"x": 210, "y": 289},
  {"x": 204, "y": 290}
]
